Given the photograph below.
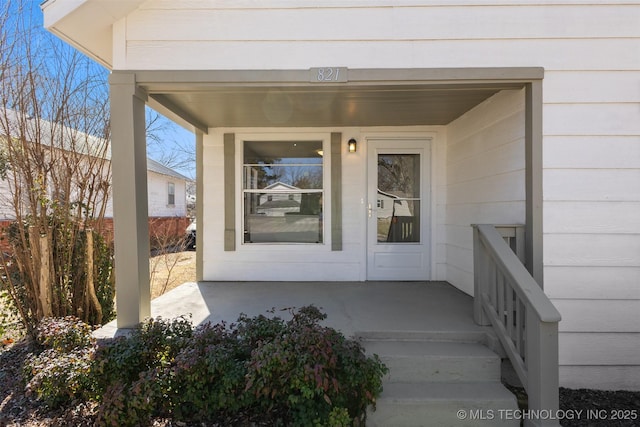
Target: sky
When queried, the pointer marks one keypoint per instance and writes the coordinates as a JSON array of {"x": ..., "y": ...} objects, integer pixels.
[{"x": 167, "y": 142}]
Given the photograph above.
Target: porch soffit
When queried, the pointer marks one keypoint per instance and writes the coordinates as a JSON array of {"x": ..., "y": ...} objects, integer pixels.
[{"x": 286, "y": 98}]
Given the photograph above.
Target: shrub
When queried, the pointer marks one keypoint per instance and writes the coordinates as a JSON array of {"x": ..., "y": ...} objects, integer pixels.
[
  {"x": 4, "y": 302},
  {"x": 61, "y": 373},
  {"x": 208, "y": 377},
  {"x": 129, "y": 371},
  {"x": 254, "y": 330},
  {"x": 154, "y": 344},
  {"x": 311, "y": 374},
  {"x": 67, "y": 244},
  {"x": 104, "y": 277},
  {"x": 262, "y": 370},
  {"x": 64, "y": 334},
  {"x": 57, "y": 377}
]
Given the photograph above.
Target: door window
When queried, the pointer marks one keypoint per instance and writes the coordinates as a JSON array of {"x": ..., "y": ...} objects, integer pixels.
[{"x": 398, "y": 198}]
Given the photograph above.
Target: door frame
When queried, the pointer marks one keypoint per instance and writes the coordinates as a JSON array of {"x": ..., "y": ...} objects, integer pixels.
[{"x": 429, "y": 180}]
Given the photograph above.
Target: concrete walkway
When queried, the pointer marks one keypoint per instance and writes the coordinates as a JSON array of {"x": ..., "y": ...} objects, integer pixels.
[{"x": 351, "y": 307}]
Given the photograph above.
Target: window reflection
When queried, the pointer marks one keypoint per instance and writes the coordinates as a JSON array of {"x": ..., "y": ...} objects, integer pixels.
[
  {"x": 282, "y": 187},
  {"x": 398, "y": 204}
]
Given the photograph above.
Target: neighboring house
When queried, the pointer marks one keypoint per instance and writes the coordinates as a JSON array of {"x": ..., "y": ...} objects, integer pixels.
[
  {"x": 6, "y": 211},
  {"x": 490, "y": 112},
  {"x": 167, "y": 197},
  {"x": 167, "y": 205}
]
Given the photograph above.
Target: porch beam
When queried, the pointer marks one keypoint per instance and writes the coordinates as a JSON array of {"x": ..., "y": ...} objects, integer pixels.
[
  {"x": 164, "y": 106},
  {"x": 155, "y": 81},
  {"x": 533, "y": 181},
  {"x": 130, "y": 204}
]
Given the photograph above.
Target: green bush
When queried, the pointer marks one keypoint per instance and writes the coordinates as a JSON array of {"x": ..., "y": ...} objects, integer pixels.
[
  {"x": 129, "y": 371},
  {"x": 64, "y": 334},
  {"x": 154, "y": 344},
  {"x": 208, "y": 377},
  {"x": 254, "y": 330},
  {"x": 309, "y": 375},
  {"x": 266, "y": 371},
  {"x": 61, "y": 372}
]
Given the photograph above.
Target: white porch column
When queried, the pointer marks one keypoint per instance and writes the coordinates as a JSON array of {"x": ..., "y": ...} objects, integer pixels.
[{"x": 130, "y": 213}]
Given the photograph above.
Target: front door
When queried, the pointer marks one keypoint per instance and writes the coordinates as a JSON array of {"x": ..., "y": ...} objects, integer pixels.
[{"x": 398, "y": 210}]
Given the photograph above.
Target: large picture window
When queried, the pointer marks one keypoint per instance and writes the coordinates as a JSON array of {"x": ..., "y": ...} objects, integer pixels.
[{"x": 283, "y": 191}]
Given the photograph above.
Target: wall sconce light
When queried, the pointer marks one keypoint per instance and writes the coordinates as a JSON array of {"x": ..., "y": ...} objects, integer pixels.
[{"x": 352, "y": 144}]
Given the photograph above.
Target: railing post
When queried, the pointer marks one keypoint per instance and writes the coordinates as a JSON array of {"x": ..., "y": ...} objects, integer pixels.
[
  {"x": 480, "y": 279},
  {"x": 542, "y": 366},
  {"x": 520, "y": 244}
]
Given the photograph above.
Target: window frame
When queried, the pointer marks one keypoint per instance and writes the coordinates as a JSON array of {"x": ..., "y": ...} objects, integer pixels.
[
  {"x": 171, "y": 193},
  {"x": 325, "y": 139}
]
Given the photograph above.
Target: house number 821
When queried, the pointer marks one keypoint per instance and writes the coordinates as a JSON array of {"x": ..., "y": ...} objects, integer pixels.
[{"x": 328, "y": 74}]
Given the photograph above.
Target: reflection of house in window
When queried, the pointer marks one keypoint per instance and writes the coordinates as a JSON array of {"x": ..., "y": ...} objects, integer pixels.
[
  {"x": 282, "y": 187},
  {"x": 398, "y": 218},
  {"x": 391, "y": 205},
  {"x": 285, "y": 215},
  {"x": 278, "y": 204}
]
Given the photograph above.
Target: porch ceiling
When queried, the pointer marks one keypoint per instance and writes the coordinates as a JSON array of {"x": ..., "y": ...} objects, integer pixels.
[
  {"x": 292, "y": 98},
  {"x": 334, "y": 106}
]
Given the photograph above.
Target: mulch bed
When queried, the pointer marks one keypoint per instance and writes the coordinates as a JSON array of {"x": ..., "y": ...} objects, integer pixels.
[{"x": 592, "y": 408}]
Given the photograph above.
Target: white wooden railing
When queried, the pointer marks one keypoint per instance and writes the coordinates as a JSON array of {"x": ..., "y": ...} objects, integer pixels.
[{"x": 524, "y": 319}]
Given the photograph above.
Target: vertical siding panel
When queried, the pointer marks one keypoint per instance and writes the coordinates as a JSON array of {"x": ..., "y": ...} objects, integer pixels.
[
  {"x": 229, "y": 192},
  {"x": 336, "y": 191}
]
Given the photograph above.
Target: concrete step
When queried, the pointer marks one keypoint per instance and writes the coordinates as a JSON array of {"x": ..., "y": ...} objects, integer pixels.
[
  {"x": 444, "y": 404},
  {"x": 439, "y": 379},
  {"x": 434, "y": 361},
  {"x": 479, "y": 336}
]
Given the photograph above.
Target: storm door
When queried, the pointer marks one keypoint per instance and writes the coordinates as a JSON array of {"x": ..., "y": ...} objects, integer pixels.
[{"x": 398, "y": 210}]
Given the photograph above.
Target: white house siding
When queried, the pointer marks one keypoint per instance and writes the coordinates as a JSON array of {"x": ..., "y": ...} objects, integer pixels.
[
  {"x": 293, "y": 34},
  {"x": 157, "y": 194},
  {"x": 157, "y": 188},
  {"x": 6, "y": 212},
  {"x": 310, "y": 261},
  {"x": 591, "y": 118},
  {"x": 591, "y": 221},
  {"x": 485, "y": 177}
]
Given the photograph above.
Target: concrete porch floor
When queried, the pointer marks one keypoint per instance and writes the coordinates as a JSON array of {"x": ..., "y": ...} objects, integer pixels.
[{"x": 436, "y": 308}]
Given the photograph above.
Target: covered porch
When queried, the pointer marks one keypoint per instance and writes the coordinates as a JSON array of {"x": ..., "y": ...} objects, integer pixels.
[
  {"x": 482, "y": 164},
  {"x": 503, "y": 187},
  {"x": 352, "y": 307}
]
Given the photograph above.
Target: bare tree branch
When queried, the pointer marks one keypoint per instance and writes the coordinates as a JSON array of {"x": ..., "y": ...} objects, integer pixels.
[{"x": 54, "y": 138}]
